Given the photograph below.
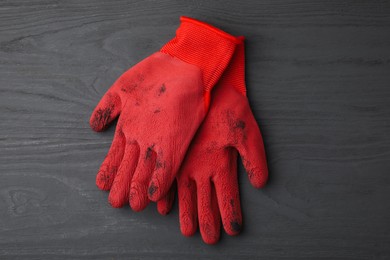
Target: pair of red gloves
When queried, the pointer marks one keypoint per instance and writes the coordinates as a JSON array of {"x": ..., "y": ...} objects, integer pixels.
[{"x": 183, "y": 115}]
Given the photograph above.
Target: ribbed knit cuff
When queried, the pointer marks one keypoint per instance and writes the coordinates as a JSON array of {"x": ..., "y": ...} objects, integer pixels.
[
  {"x": 204, "y": 46},
  {"x": 234, "y": 75}
]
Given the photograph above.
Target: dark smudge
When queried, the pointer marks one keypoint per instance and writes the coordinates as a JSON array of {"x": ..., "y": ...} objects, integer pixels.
[
  {"x": 236, "y": 227},
  {"x": 149, "y": 152},
  {"x": 240, "y": 124},
  {"x": 101, "y": 118},
  {"x": 162, "y": 90},
  {"x": 152, "y": 189}
]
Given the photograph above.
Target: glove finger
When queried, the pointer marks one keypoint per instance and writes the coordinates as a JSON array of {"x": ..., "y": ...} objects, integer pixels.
[
  {"x": 139, "y": 184},
  {"x": 119, "y": 193},
  {"x": 164, "y": 206},
  {"x": 252, "y": 152},
  {"x": 186, "y": 193},
  {"x": 110, "y": 165},
  {"x": 208, "y": 212},
  {"x": 226, "y": 186},
  {"x": 162, "y": 177},
  {"x": 106, "y": 111}
]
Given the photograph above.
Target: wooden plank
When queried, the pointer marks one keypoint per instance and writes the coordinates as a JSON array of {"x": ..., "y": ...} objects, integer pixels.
[{"x": 318, "y": 83}]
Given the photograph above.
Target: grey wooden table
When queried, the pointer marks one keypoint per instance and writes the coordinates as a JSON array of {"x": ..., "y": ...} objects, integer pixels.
[{"x": 318, "y": 77}]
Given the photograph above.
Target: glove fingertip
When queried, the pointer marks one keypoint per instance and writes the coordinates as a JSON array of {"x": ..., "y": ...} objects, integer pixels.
[
  {"x": 102, "y": 185},
  {"x": 188, "y": 231},
  {"x": 116, "y": 197},
  {"x": 258, "y": 177},
  {"x": 105, "y": 112},
  {"x": 137, "y": 201},
  {"x": 100, "y": 119},
  {"x": 234, "y": 228},
  {"x": 163, "y": 209},
  {"x": 115, "y": 203},
  {"x": 157, "y": 189},
  {"x": 211, "y": 240},
  {"x": 153, "y": 190},
  {"x": 103, "y": 180}
]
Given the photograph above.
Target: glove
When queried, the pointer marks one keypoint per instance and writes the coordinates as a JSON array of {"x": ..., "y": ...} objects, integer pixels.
[
  {"x": 160, "y": 102},
  {"x": 207, "y": 182}
]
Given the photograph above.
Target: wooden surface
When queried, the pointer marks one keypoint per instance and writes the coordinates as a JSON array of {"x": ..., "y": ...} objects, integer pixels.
[{"x": 318, "y": 78}]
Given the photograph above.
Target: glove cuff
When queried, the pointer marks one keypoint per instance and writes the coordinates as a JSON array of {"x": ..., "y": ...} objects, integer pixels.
[
  {"x": 204, "y": 46},
  {"x": 234, "y": 75}
]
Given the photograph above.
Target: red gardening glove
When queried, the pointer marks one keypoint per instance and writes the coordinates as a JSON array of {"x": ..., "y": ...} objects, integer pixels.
[
  {"x": 160, "y": 102},
  {"x": 207, "y": 182}
]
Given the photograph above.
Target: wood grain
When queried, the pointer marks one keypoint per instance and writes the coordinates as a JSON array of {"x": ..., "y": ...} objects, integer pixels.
[{"x": 318, "y": 78}]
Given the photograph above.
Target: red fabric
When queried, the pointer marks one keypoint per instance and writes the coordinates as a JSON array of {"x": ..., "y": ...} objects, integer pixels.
[
  {"x": 188, "y": 46},
  {"x": 212, "y": 58},
  {"x": 160, "y": 103},
  {"x": 207, "y": 183}
]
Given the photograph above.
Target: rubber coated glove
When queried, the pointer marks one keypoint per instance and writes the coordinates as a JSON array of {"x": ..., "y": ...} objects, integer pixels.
[
  {"x": 207, "y": 183},
  {"x": 160, "y": 102}
]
